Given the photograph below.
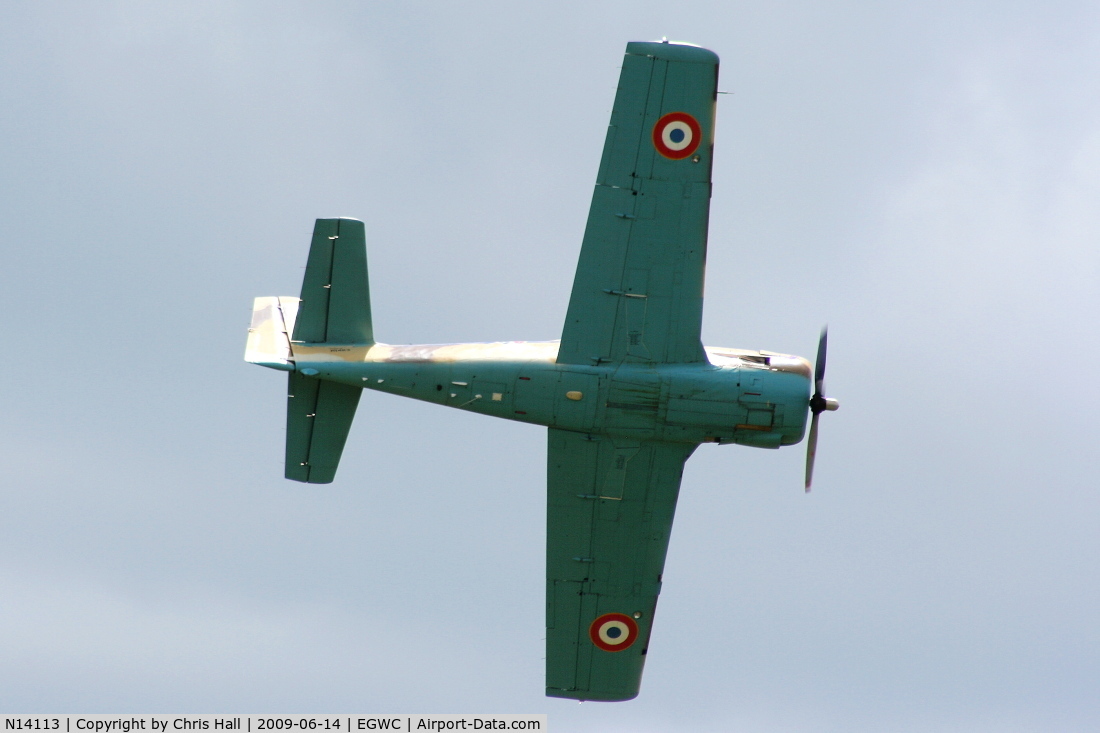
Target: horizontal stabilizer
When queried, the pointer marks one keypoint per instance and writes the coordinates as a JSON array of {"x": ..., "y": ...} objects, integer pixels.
[
  {"x": 335, "y": 307},
  {"x": 318, "y": 418}
]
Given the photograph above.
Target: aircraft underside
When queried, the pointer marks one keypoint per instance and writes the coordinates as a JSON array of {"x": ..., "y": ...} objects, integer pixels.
[{"x": 626, "y": 395}]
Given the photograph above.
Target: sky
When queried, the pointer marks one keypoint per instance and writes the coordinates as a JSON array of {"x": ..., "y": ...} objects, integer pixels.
[{"x": 922, "y": 177}]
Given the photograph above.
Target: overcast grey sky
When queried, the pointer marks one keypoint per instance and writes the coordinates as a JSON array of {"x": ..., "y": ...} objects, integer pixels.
[{"x": 924, "y": 177}]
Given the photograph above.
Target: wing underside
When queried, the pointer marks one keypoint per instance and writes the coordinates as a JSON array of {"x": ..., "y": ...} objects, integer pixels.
[
  {"x": 609, "y": 514},
  {"x": 638, "y": 291}
]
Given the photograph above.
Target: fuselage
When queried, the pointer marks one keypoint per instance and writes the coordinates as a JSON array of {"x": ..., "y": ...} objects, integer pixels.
[{"x": 747, "y": 397}]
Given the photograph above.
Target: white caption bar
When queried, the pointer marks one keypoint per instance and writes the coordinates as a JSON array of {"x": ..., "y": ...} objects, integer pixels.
[{"x": 266, "y": 723}]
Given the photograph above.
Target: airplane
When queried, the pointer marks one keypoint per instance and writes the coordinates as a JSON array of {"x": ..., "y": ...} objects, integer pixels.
[{"x": 626, "y": 395}]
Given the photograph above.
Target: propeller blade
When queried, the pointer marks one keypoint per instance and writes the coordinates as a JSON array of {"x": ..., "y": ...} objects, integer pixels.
[
  {"x": 819, "y": 370},
  {"x": 811, "y": 451},
  {"x": 819, "y": 403}
]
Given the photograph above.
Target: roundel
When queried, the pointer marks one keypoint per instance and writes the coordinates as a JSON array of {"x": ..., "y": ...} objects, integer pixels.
[
  {"x": 613, "y": 632},
  {"x": 677, "y": 135}
]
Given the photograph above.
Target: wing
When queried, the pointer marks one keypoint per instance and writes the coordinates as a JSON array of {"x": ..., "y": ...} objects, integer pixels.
[
  {"x": 609, "y": 514},
  {"x": 638, "y": 292}
]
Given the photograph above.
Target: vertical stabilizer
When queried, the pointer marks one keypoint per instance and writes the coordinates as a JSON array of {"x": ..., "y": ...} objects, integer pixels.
[{"x": 269, "y": 335}]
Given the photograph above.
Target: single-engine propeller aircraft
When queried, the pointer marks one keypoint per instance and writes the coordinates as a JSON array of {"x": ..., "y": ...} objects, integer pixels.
[{"x": 627, "y": 394}]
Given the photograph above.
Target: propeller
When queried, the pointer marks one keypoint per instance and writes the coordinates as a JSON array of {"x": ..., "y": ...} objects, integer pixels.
[{"x": 819, "y": 403}]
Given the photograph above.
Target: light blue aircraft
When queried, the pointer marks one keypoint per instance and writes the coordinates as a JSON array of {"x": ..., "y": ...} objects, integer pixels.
[{"x": 627, "y": 394}]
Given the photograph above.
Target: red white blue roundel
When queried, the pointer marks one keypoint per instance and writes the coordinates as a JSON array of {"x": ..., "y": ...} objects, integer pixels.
[
  {"x": 677, "y": 135},
  {"x": 613, "y": 632}
]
